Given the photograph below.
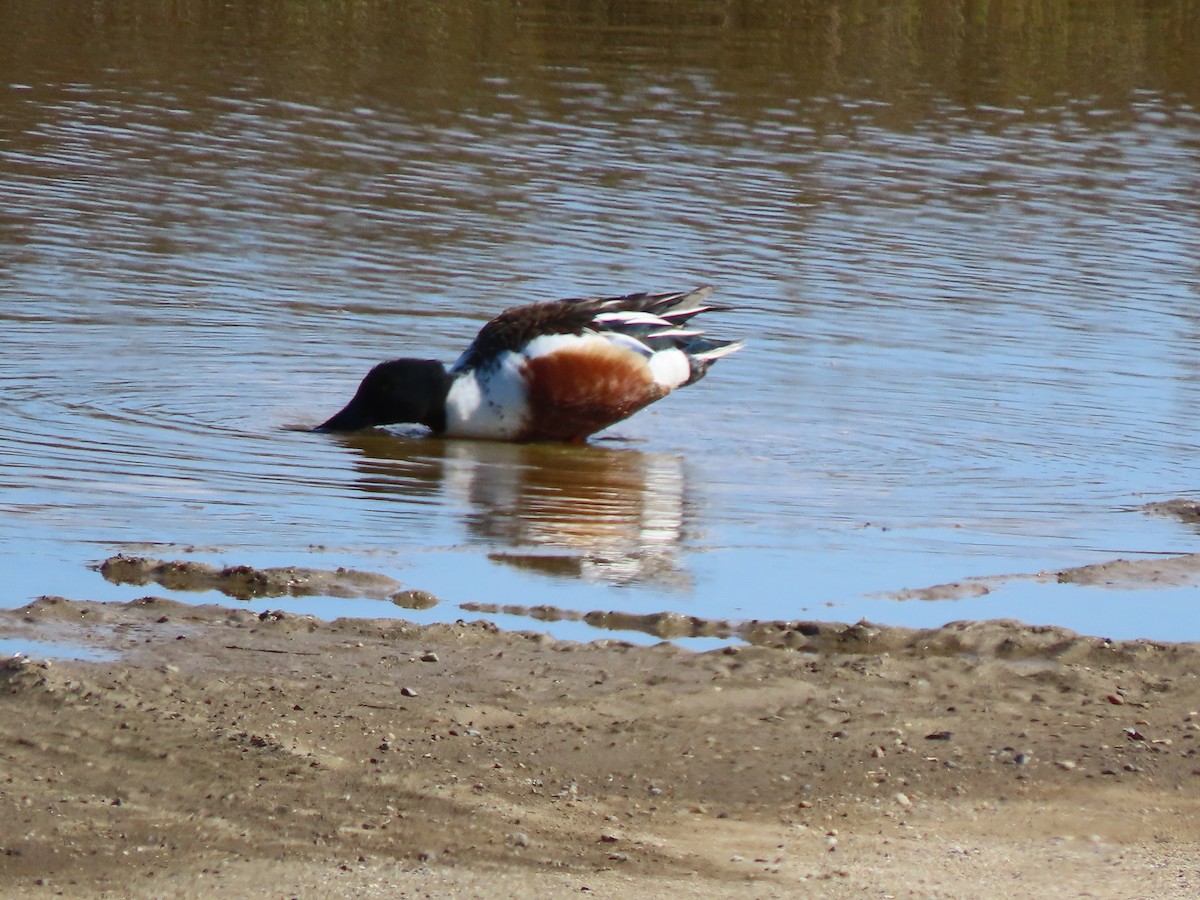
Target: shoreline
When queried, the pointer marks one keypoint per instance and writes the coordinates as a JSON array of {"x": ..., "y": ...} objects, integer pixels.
[{"x": 278, "y": 753}]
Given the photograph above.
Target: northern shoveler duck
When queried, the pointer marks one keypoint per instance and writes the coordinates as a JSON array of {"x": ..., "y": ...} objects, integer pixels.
[{"x": 556, "y": 371}]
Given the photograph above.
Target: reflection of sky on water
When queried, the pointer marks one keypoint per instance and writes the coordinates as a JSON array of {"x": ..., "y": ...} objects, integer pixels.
[
  {"x": 970, "y": 314},
  {"x": 49, "y": 650}
]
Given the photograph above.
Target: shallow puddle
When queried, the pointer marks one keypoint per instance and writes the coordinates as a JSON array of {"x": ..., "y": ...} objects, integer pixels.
[{"x": 32, "y": 649}]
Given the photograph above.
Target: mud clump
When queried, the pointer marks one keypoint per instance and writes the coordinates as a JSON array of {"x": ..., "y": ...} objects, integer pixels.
[
  {"x": 248, "y": 583},
  {"x": 1186, "y": 511},
  {"x": 1156, "y": 572}
]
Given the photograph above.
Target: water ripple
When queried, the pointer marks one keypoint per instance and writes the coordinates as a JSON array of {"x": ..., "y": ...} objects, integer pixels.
[{"x": 972, "y": 329}]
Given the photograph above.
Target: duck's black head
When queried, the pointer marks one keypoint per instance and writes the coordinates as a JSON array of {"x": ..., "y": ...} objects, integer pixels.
[{"x": 402, "y": 390}]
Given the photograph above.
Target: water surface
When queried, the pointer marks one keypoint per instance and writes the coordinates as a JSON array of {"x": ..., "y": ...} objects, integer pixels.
[
  {"x": 961, "y": 243},
  {"x": 31, "y": 649}
]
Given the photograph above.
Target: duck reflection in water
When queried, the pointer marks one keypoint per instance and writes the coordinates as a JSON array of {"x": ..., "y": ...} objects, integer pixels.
[{"x": 593, "y": 512}]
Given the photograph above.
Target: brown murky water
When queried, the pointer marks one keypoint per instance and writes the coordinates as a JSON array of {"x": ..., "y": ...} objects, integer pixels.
[{"x": 961, "y": 239}]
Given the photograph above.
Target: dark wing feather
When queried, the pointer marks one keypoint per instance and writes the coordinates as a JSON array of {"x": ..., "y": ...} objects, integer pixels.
[{"x": 516, "y": 327}]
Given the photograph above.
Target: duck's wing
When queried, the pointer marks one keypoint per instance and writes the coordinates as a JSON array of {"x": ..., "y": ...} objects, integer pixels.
[
  {"x": 676, "y": 307},
  {"x": 643, "y": 321},
  {"x": 515, "y": 328},
  {"x": 657, "y": 325}
]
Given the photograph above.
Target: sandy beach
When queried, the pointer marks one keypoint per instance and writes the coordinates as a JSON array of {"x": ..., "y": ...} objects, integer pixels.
[{"x": 220, "y": 751}]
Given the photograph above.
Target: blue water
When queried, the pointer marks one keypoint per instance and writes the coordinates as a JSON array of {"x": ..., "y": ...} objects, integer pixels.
[
  {"x": 51, "y": 650},
  {"x": 971, "y": 335}
]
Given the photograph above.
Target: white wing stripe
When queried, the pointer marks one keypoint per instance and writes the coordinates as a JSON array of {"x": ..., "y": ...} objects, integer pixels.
[{"x": 630, "y": 318}]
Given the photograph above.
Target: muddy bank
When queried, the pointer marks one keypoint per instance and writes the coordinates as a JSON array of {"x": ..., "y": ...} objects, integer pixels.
[
  {"x": 246, "y": 582},
  {"x": 224, "y": 751},
  {"x": 243, "y": 582}
]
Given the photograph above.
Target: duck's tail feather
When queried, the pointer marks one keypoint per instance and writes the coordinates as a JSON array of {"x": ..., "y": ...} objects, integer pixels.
[{"x": 703, "y": 352}]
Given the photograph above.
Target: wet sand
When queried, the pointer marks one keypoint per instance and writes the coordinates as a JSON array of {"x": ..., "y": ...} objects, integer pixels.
[{"x": 283, "y": 756}]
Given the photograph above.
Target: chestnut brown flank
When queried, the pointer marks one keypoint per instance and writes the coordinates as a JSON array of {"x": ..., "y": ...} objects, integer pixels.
[{"x": 576, "y": 392}]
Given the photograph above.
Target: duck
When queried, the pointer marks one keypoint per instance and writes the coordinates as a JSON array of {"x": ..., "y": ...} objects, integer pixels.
[{"x": 557, "y": 370}]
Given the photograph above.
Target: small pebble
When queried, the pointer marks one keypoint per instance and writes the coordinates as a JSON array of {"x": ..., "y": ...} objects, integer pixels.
[
  {"x": 903, "y": 800},
  {"x": 408, "y": 692},
  {"x": 429, "y": 657}
]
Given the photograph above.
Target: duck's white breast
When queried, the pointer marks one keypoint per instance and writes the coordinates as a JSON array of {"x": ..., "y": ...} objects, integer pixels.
[{"x": 489, "y": 402}]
